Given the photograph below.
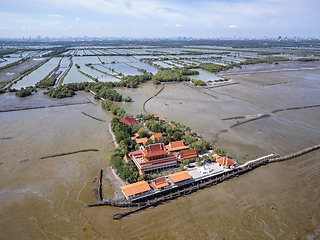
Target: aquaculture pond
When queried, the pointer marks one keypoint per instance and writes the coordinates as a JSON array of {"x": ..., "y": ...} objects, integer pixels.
[
  {"x": 123, "y": 68},
  {"x": 204, "y": 75},
  {"x": 144, "y": 66},
  {"x": 8, "y": 61},
  {"x": 37, "y": 75}
]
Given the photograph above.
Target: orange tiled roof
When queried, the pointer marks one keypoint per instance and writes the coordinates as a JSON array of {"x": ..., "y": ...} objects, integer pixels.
[
  {"x": 189, "y": 154},
  {"x": 156, "y": 116},
  {"x": 179, "y": 176},
  {"x": 154, "y": 150},
  {"x": 141, "y": 140},
  {"x": 226, "y": 161},
  {"x": 161, "y": 118},
  {"x": 176, "y": 146},
  {"x": 135, "y": 188},
  {"x": 156, "y": 135},
  {"x": 159, "y": 183}
]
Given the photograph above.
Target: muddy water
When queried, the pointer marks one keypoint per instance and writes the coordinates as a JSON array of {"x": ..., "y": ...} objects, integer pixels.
[
  {"x": 45, "y": 198},
  {"x": 237, "y": 209}
]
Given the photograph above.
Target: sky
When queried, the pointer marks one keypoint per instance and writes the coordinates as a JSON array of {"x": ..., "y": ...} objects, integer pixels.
[{"x": 163, "y": 18}]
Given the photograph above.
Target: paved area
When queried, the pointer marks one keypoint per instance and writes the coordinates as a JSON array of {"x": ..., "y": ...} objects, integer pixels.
[{"x": 214, "y": 169}]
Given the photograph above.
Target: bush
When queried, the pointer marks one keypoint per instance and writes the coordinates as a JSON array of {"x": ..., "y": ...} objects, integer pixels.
[
  {"x": 221, "y": 152},
  {"x": 23, "y": 92},
  {"x": 128, "y": 99}
]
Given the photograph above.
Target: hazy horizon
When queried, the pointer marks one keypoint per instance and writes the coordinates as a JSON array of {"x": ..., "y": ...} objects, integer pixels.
[{"x": 141, "y": 18}]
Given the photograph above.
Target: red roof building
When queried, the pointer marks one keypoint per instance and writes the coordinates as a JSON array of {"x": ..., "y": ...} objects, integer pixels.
[
  {"x": 141, "y": 140},
  {"x": 226, "y": 162},
  {"x": 190, "y": 154},
  {"x": 135, "y": 189},
  {"x": 179, "y": 177},
  {"x": 155, "y": 156},
  {"x": 128, "y": 121},
  {"x": 176, "y": 146},
  {"x": 159, "y": 183},
  {"x": 156, "y": 135}
]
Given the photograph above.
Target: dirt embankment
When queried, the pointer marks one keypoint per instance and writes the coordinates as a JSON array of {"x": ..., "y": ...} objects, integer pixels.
[{"x": 8, "y": 73}]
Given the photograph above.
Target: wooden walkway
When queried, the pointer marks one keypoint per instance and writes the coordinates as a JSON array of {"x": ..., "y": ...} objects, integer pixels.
[{"x": 167, "y": 195}]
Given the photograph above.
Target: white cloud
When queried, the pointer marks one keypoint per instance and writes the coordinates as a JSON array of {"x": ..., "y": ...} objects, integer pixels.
[
  {"x": 178, "y": 25},
  {"x": 97, "y": 27},
  {"x": 232, "y": 26},
  {"x": 77, "y": 19},
  {"x": 54, "y": 15}
]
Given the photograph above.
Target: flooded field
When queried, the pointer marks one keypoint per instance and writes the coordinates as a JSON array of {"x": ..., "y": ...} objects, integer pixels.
[
  {"x": 204, "y": 76},
  {"x": 46, "y": 195},
  {"x": 123, "y": 68},
  {"x": 37, "y": 75},
  {"x": 11, "y": 71}
]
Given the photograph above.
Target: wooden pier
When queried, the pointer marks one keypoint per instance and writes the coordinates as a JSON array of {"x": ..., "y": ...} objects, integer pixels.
[{"x": 160, "y": 197}]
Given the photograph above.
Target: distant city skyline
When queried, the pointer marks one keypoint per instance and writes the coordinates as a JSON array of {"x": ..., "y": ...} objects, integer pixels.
[{"x": 160, "y": 19}]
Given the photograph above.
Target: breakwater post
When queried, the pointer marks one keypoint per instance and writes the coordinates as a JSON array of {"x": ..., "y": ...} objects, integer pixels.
[
  {"x": 164, "y": 196},
  {"x": 100, "y": 185}
]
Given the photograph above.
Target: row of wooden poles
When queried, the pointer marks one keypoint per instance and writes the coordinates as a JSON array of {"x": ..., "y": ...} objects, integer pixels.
[{"x": 165, "y": 196}]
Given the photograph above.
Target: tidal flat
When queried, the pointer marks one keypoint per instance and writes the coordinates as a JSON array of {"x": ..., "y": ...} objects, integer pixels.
[{"x": 46, "y": 198}]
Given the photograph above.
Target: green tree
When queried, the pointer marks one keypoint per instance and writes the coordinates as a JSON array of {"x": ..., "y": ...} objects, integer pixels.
[
  {"x": 186, "y": 162},
  {"x": 198, "y": 162},
  {"x": 143, "y": 133},
  {"x": 221, "y": 152},
  {"x": 181, "y": 166}
]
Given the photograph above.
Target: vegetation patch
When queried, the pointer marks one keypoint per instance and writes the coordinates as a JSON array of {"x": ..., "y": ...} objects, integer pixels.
[
  {"x": 198, "y": 82},
  {"x": 23, "y": 92},
  {"x": 167, "y": 75}
]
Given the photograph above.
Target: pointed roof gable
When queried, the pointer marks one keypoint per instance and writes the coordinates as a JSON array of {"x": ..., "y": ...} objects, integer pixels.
[
  {"x": 128, "y": 121},
  {"x": 224, "y": 161},
  {"x": 154, "y": 150},
  {"x": 159, "y": 183}
]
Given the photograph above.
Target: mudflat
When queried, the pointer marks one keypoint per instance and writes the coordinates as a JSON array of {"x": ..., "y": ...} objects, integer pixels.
[{"x": 46, "y": 197}]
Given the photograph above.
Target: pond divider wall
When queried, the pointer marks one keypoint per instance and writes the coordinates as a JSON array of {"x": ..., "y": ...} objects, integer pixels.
[{"x": 167, "y": 195}]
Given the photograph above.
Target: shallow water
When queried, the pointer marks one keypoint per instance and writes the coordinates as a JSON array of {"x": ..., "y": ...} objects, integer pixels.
[
  {"x": 37, "y": 75},
  {"x": 46, "y": 197},
  {"x": 240, "y": 208}
]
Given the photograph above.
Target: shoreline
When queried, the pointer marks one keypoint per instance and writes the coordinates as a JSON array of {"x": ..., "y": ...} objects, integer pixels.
[{"x": 161, "y": 197}]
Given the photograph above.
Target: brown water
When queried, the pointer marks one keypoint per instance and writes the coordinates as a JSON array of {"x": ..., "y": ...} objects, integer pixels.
[
  {"x": 237, "y": 209},
  {"x": 45, "y": 198}
]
